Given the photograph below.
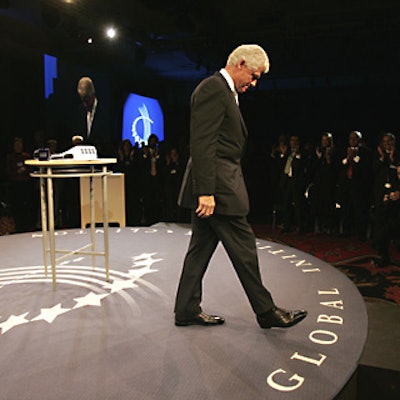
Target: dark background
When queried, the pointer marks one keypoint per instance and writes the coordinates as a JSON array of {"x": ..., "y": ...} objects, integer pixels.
[{"x": 334, "y": 66}]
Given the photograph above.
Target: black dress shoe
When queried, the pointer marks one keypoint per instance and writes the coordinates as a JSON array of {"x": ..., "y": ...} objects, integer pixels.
[
  {"x": 280, "y": 318},
  {"x": 201, "y": 319}
]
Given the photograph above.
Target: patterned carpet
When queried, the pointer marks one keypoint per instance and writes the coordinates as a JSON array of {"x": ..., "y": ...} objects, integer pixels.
[{"x": 354, "y": 258}]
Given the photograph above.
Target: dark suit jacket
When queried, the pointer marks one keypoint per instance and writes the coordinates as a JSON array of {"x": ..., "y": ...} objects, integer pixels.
[
  {"x": 217, "y": 141},
  {"x": 383, "y": 172},
  {"x": 361, "y": 171},
  {"x": 100, "y": 130}
]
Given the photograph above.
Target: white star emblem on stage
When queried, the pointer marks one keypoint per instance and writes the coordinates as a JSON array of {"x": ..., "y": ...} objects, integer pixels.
[
  {"x": 145, "y": 259},
  {"x": 141, "y": 265},
  {"x": 120, "y": 284},
  {"x": 147, "y": 262},
  {"x": 50, "y": 314},
  {"x": 143, "y": 255},
  {"x": 13, "y": 320},
  {"x": 139, "y": 272},
  {"x": 91, "y": 299}
]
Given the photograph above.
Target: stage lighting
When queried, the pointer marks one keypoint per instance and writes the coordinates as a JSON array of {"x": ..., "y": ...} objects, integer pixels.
[{"x": 111, "y": 33}]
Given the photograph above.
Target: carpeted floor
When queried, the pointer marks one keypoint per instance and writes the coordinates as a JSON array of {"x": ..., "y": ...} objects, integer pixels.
[
  {"x": 353, "y": 257},
  {"x": 96, "y": 340}
]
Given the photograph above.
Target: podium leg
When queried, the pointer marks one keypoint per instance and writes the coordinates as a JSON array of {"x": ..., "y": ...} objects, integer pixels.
[{"x": 105, "y": 221}]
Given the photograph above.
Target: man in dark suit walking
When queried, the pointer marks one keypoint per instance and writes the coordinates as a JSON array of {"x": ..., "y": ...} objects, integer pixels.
[{"x": 213, "y": 186}]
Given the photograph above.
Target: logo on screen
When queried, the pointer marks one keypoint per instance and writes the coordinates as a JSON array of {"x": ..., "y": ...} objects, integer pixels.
[
  {"x": 146, "y": 122},
  {"x": 142, "y": 117}
]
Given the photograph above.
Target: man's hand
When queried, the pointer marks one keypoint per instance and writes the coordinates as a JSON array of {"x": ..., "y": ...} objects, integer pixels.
[{"x": 206, "y": 206}]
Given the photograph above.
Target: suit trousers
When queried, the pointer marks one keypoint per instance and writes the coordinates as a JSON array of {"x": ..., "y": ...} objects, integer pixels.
[{"x": 238, "y": 239}]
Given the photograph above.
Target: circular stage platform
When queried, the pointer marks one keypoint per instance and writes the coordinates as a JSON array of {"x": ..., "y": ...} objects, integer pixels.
[{"x": 96, "y": 340}]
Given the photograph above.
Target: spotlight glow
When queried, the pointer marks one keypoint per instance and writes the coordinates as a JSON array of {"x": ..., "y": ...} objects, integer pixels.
[{"x": 111, "y": 33}]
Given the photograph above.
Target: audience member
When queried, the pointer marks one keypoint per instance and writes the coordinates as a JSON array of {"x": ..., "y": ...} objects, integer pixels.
[
  {"x": 355, "y": 187},
  {"x": 293, "y": 183},
  {"x": 39, "y": 139},
  {"x": 52, "y": 145},
  {"x": 279, "y": 154},
  {"x": 384, "y": 164},
  {"x": 153, "y": 174},
  {"x": 128, "y": 163},
  {"x": 322, "y": 190},
  {"x": 387, "y": 226},
  {"x": 152, "y": 180},
  {"x": 20, "y": 186},
  {"x": 173, "y": 179}
]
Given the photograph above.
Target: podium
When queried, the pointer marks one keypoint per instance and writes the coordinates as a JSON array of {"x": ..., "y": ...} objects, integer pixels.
[
  {"x": 115, "y": 200},
  {"x": 46, "y": 171}
]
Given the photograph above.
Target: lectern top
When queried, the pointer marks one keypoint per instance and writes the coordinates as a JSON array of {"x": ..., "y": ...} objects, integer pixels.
[{"x": 68, "y": 162}]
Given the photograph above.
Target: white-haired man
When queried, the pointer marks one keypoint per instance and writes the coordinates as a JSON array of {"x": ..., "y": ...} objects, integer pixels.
[
  {"x": 214, "y": 188},
  {"x": 87, "y": 95}
]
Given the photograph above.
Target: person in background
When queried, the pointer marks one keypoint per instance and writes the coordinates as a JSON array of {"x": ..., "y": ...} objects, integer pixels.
[
  {"x": 323, "y": 189},
  {"x": 128, "y": 164},
  {"x": 276, "y": 164},
  {"x": 87, "y": 94},
  {"x": 173, "y": 179},
  {"x": 355, "y": 187},
  {"x": 153, "y": 168},
  {"x": 213, "y": 187},
  {"x": 52, "y": 145},
  {"x": 92, "y": 120},
  {"x": 293, "y": 182},
  {"x": 21, "y": 187},
  {"x": 384, "y": 163},
  {"x": 388, "y": 222}
]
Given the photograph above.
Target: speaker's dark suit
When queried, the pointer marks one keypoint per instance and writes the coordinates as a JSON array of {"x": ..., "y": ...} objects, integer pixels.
[
  {"x": 100, "y": 130},
  {"x": 217, "y": 141}
]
